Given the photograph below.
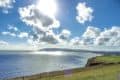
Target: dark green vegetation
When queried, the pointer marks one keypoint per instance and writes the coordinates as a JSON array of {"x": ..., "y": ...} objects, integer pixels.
[{"x": 99, "y": 68}]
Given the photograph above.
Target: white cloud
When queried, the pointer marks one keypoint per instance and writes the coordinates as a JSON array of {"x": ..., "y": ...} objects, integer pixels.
[
  {"x": 11, "y": 27},
  {"x": 91, "y": 32},
  {"x": 8, "y": 34},
  {"x": 43, "y": 24},
  {"x": 95, "y": 36},
  {"x": 84, "y": 13},
  {"x": 65, "y": 34},
  {"x": 47, "y": 37},
  {"x": 14, "y": 32},
  {"x": 88, "y": 36},
  {"x": 50, "y": 37},
  {"x": 80, "y": 41},
  {"x": 6, "y": 4},
  {"x": 11, "y": 31},
  {"x": 23, "y": 35},
  {"x": 109, "y": 37},
  {"x": 75, "y": 41},
  {"x": 33, "y": 17},
  {"x": 21, "y": 46},
  {"x": 3, "y": 43}
]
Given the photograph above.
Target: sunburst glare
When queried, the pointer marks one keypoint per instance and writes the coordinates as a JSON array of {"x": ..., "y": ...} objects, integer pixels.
[{"x": 47, "y": 7}]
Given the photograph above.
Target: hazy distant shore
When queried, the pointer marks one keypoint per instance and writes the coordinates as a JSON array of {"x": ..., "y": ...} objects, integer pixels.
[
  {"x": 67, "y": 50},
  {"x": 80, "y": 50}
]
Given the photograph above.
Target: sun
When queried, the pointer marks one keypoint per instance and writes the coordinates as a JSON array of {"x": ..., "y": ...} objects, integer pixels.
[{"x": 47, "y": 7}]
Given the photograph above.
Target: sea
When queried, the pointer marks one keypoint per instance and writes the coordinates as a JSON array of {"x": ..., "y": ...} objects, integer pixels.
[{"x": 17, "y": 64}]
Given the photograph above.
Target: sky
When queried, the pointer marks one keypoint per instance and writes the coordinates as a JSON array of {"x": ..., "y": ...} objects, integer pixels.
[{"x": 39, "y": 23}]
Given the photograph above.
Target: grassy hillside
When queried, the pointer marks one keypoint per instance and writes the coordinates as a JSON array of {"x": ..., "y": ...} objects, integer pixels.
[
  {"x": 108, "y": 59},
  {"x": 108, "y": 70},
  {"x": 98, "y": 73}
]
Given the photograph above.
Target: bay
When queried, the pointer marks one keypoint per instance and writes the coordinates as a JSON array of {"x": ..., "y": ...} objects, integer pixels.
[{"x": 16, "y": 64}]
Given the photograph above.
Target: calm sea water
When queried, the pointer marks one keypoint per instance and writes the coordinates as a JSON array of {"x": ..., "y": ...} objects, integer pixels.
[{"x": 15, "y": 64}]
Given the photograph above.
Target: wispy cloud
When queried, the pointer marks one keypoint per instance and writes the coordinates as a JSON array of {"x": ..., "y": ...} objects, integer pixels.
[
  {"x": 6, "y": 4},
  {"x": 23, "y": 35},
  {"x": 12, "y": 28},
  {"x": 9, "y": 34},
  {"x": 3, "y": 43}
]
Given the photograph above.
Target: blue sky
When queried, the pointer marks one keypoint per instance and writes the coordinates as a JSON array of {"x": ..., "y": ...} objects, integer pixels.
[{"x": 105, "y": 15}]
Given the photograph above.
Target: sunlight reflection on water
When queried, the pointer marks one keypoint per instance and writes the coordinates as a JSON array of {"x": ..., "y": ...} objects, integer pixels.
[
  {"x": 15, "y": 64},
  {"x": 53, "y": 53}
]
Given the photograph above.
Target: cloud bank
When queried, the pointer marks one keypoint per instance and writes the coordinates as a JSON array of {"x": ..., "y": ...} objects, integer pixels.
[{"x": 96, "y": 37}]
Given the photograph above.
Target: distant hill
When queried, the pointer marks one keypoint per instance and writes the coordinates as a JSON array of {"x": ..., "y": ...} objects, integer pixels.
[{"x": 81, "y": 50}]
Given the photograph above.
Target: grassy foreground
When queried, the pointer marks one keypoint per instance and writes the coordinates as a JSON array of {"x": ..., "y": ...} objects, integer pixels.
[{"x": 109, "y": 70}]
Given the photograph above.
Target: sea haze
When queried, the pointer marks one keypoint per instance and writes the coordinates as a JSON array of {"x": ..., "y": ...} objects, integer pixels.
[{"x": 16, "y": 64}]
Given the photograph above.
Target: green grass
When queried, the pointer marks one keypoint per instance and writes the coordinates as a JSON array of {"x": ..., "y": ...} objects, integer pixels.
[
  {"x": 97, "y": 73},
  {"x": 108, "y": 59},
  {"x": 100, "y": 72}
]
